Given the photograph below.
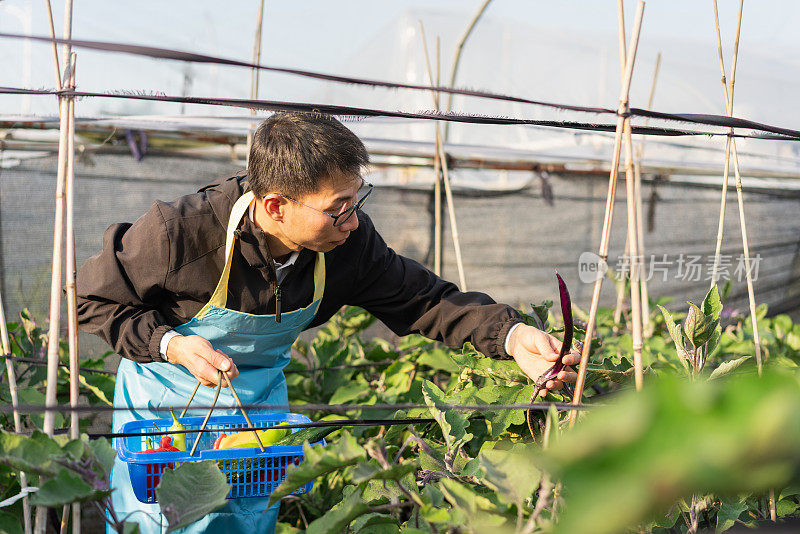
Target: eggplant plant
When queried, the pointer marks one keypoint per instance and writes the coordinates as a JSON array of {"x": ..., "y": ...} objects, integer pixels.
[
  {"x": 699, "y": 334},
  {"x": 632, "y": 465}
]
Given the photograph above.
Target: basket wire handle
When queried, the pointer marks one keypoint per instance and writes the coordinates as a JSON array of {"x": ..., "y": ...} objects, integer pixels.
[
  {"x": 208, "y": 416},
  {"x": 241, "y": 408},
  {"x": 190, "y": 399}
]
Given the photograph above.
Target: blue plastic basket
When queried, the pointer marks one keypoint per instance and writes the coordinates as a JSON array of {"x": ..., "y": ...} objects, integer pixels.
[{"x": 250, "y": 472}]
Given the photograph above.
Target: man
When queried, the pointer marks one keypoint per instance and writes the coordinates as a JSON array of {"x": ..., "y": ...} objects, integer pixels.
[{"x": 227, "y": 278}]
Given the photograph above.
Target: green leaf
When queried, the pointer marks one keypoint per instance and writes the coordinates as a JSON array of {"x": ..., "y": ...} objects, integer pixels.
[
  {"x": 786, "y": 507},
  {"x": 708, "y": 333},
  {"x": 512, "y": 474},
  {"x": 793, "y": 338},
  {"x": 104, "y": 453},
  {"x": 698, "y": 327},
  {"x": 676, "y": 335},
  {"x": 375, "y": 523},
  {"x": 370, "y": 471},
  {"x": 463, "y": 497},
  {"x": 712, "y": 305},
  {"x": 130, "y": 528},
  {"x": 318, "y": 461},
  {"x": 713, "y": 342},
  {"x": 348, "y": 392},
  {"x": 32, "y": 454},
  {"x": 66, "y": 488},
  {"x": 790, "y": 491},
  {"x": 502, "y": 419},
  {"x": 99, "y": 393},
  {"x": 190, "y": 492},
  {"x": 452, "y": 422},
  {"x": 335, "y": 520},
  {"x": 477, "y": 508},
  {"x": 312, "y": 435},
  {"x": 438, "y": 359},
  {"x": 617, "y": 377},
  {"x": 539, "y": 315},
  {"x": 728, "y": 367},
  {"x": 9, "y": 524},
  {"x": 283, "y": 528},
  {"x": 35, "y": 397},
  {"x": 729, "y": 511},
  {"x": 726, "y": 289}
]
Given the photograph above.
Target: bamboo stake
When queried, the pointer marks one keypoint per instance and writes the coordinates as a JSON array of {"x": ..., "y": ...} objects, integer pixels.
[
  {"x": 612, "y": 184},
  {"x": 437, "y": 190},
  {"x": 12, "y": 386},
  {"x": 446, "y": 178},
  {"x": 55, "y": 46},
  {"x": 726, "y": 169},
  {"x": 56, "y": 276},
  {"x": 457, "y": 59},
  {"x": 636, "y": 303},
  {"x": 437, "y": 184},
  {"x": 451, "y": 212},
  {"x": 55, "y": 293},
  {"x": 647, "y": 327},
  {"x": 621, "y": 44},
  {"x": 633, "y": 248},
  {"x": 731, "y": 145},
  {"x": 739, "y": 195},
  {"x": 72, "y": 298},
  {"x": 255, "y": 72}
]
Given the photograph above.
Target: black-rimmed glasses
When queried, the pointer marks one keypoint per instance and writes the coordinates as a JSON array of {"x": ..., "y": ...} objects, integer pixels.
[{"x": 342, "y": 217}]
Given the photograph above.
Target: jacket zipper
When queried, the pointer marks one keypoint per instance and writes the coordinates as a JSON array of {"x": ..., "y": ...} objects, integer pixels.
[
  {"x": 274, "y": 275},
  {"x": 277, "y": 302}
]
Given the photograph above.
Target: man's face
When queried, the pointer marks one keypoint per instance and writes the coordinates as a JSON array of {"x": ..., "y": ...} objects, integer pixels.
[{"x": 310, "y": 229}]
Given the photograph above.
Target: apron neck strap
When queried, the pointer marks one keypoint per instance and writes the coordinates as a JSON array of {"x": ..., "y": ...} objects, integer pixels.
[{"x": 220, "y": 296}]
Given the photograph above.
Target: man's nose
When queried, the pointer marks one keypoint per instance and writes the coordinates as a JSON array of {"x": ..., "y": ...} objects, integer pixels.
[{"x": 350, "y": 224}]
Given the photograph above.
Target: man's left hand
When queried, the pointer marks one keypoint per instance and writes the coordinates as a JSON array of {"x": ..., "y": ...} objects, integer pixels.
[{"x": 536, "y": 351}]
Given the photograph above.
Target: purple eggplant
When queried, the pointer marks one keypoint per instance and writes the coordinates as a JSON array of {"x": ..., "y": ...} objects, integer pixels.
[
  {"x": 552, "y": 372},
  {"x": 566, "y": 312}
]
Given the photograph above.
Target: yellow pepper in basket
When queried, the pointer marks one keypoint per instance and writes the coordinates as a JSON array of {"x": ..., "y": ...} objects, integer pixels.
[{"x": 247, "y": 439}]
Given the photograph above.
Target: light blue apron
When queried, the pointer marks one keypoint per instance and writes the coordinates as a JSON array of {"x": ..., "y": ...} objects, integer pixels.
[{"x": 259, "y": 345}]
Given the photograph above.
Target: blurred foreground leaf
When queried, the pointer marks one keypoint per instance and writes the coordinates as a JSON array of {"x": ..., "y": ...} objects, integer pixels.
[
  {"x": 318, "y": 461},
  {"x": 632, "y": 460},
  {"x": 191, "y": 491}
]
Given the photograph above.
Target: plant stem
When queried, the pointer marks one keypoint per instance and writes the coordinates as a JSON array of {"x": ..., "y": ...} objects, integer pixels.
[{"x": 545, "y": 489}]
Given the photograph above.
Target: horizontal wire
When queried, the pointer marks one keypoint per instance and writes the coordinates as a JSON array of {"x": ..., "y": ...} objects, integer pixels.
[
  {"x": 354, "y": 112},
  {"x": 333, "y": 408},
  {"x": 191, "y": 57},
  {"x": 348, "y": 111},
  {"x": 163, "y": 53},
  {"x": 313, "y": 424},
  {"x": 42, "y": 363}
]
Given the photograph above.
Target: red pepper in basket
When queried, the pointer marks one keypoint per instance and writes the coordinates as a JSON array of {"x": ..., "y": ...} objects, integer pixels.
[
  {"x": 157, "y": 469},
  {"x": 219, "y": 440}
]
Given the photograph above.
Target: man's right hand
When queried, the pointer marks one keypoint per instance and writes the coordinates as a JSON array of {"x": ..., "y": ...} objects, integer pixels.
[{"x": 199, "y": 357}]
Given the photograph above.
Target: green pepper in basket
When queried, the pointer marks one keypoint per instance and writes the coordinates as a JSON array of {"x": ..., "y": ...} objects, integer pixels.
[{"x": 178, "y": 440}]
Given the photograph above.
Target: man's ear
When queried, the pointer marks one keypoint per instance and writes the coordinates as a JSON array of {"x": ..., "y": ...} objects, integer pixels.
[{"x": 274, "y": 205}]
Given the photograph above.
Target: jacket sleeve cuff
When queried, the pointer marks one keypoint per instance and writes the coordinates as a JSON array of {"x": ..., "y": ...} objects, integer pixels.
[
  {"x": 154, "y": 347},
  {"x": 497, "y": 349}
]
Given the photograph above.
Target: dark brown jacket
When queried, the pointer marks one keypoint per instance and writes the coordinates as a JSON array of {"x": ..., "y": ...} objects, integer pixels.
[{"x": 158, "y": 272}]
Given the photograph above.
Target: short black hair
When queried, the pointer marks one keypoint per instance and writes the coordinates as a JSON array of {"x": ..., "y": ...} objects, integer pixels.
[{"x": 292, "y": 151}]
